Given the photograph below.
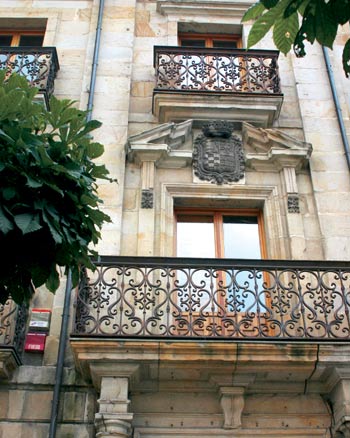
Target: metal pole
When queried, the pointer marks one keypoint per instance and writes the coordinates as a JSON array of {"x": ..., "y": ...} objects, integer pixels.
[
  {"x": 95, "y": 60},
  {"x": 60, "y": 357},
  {"x": 337, "y": 105},
  {"x": 65, "y": 315}
]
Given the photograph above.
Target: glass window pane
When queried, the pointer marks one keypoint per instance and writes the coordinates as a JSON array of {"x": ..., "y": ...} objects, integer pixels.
[
  {"x": 193, "y": 43},
  {"x": 224, "y": 44},
  {"x": 241, "y": 241},
  {"x": 5, "y": 40},
  {"x": 31, "y": 40},
  {"x": 241, "y": 237},
  {"x": 195, "y": 238}
]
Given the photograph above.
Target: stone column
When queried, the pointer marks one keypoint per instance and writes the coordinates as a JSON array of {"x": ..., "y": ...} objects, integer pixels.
[{"x": 113, "y": 418}]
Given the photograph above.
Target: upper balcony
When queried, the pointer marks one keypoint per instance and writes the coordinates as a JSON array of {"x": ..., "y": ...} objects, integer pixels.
[
  {"x": 39, "y": 65},
  {"x": 215, "y": 299},
  {"x": 210, "y": 83}
]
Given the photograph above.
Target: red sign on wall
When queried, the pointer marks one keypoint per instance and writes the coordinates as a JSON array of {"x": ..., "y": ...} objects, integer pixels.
[{"x": 35, "y": 342}]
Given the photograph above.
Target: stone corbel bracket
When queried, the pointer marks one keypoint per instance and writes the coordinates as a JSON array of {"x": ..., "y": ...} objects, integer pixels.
[
  {"x": 232, "y": 404},
  {"x": 271, "y": 150}
]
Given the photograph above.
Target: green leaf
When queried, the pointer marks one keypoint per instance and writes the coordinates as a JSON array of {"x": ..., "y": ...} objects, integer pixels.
[
  {"x": 52, "y": 228},
  {"x": 285, "y": 31},
  {"x": 99, "y": 171},
  {"x": 97, "y": 216},
  {"x": 45, "y": 159},
  {"x": 293, "y": 7},
  {"x": 269, "y": 3},
  {"x": 264, "y": 23},
  {"x": 94, "y": 150},
  {"x": 306, "y": 32},
  {"x": 39, "y": 274},
  {"x": 346, "y": 58},
  {"x": 32, "y": 183},
  {"x": 53, "y": 280},
  {"x": 325, "y": 26},
  {"x": 340, "y": 10},
  {"x": 6, "y": 137},
  {"x": 5, "y": 224},
  {"x": 254, "y": 12},
  {"x": 75, "y": 276},
  {"x": 9, "y": 193},
  {"x": 27, "y": 223}
]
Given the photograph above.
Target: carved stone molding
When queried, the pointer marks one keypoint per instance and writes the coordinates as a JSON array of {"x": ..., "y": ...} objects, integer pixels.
[
  {"x": 217, "y": 154},
  {"x": 147, "y": 198},
  {"x": 293, "y": 204}
]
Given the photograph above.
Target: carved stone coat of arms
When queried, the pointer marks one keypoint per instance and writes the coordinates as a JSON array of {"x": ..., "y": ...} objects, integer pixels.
[{"x": 218, "y": 154}]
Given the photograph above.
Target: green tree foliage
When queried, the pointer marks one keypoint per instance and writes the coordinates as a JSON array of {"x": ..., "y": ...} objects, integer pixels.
[
  {"x": 319, "y": 22},
  {"x": 49, "y": 207}
]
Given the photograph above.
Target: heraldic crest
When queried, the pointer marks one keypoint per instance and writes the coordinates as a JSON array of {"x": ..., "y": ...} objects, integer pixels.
[{"x": 218, "y": 155}]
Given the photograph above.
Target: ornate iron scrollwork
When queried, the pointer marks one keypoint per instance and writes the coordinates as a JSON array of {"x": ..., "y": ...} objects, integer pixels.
[{"x": 218, "y": 155}]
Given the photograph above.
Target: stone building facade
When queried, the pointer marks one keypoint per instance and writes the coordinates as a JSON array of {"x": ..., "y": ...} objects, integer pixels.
[{"x": 197, "y": 131}]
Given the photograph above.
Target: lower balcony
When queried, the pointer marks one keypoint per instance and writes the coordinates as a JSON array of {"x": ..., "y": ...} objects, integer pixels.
[
  {"x": 39, "y": 65},
  {"x": 206, "y": 83},
  {"x": 215, "y": 299},
  {"x": 13, "y": 319}
]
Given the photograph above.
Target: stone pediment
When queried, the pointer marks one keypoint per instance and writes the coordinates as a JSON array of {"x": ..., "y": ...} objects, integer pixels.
[
  {"x": 267, "y": 148},
  {"x": 168, "y": 145}
]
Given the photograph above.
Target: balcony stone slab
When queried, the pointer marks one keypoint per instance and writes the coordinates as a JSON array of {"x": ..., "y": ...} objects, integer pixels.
[
  {"x": 9, "y": 362},
  {"x": 207, "y": 7},
  {"x": 259, "y": 110}
]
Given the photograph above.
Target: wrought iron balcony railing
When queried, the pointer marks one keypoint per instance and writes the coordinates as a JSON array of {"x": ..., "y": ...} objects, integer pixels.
[
  {"x": 39, "y": 65},
  {"x": 13, "y": 319},
  {"x": 193, "y": 69},
  {"x": 255, "y": 300}
]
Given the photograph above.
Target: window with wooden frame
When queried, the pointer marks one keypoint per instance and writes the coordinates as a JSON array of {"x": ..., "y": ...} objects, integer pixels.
[
  {"x": 221, "y": 41},
  {"x": 22, "y": 38},
  {"x": 220, "y": 233},
  {"x": 236, "y": 234}
]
